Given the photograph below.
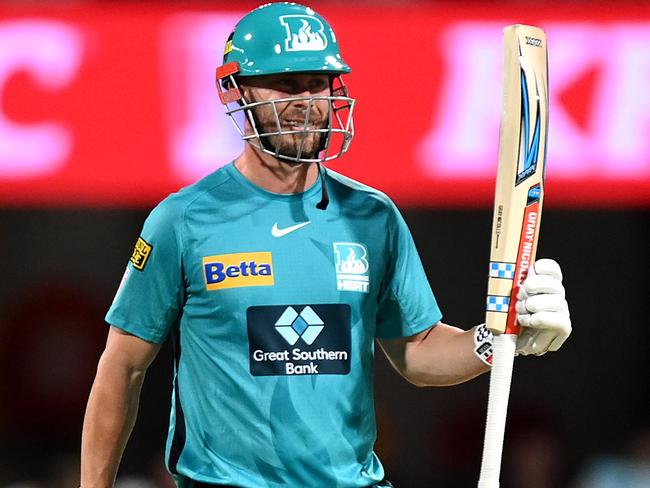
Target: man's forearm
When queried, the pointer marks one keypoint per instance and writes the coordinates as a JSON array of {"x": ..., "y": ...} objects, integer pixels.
[
  {"x": 441, "y": 356},
  {"x": 446, "y": 357},
  {"x": 110, "y": 416}
]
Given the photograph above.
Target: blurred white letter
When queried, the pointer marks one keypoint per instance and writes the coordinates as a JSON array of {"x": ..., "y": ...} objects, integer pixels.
[
  {"x": 202, "y": 138},
  {"x": 50, "y": 52}
]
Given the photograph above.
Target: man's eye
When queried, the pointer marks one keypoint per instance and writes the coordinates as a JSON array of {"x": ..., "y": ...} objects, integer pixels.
[
  {"x": 286, "y": 84},
  {"x": 317, "y": 86}
]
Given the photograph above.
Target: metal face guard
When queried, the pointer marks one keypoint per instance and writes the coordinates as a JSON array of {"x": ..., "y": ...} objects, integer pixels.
[{"x": 338, "y": 133}]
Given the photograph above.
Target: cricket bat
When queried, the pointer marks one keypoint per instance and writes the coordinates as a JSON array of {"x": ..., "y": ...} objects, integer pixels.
[{"x": 517, "y": 210}]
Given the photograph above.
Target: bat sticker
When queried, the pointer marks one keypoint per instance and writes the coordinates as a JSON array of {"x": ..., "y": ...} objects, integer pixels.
[
  {"x": 528, "y": 148},
  {"x": 534, "y": 194}
]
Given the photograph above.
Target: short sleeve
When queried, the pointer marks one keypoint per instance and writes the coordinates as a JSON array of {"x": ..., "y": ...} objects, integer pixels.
[
  {"x": 150, "y": 296},
  {"x": 406, "y": 303}
]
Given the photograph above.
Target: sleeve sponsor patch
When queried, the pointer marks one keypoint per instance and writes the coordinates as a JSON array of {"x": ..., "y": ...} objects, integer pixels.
[{"x": 141, "y": 253}]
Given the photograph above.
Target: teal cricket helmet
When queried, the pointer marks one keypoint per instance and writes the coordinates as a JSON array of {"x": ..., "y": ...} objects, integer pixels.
[{"x": 284, "y": 38}]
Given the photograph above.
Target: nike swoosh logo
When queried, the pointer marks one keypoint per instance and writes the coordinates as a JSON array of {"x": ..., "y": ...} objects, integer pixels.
[{"x": 277, "y": 232}]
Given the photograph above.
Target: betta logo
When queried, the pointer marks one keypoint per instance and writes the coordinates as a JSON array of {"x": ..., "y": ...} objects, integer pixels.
[
  {"x": 304, "y": 33},
  {"x": 237, "y": 270}
]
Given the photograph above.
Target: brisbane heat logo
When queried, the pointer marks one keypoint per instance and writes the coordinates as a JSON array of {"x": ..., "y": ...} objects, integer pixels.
[
  {"x": 304, "y": 33},
  {"x": 351, "y": 267},
  {"x": 237, "y": 270}
]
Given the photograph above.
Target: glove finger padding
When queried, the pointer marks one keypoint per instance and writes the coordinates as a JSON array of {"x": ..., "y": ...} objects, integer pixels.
[
  {"x": 540, "y": 284},
  {"x": 542, "y": 331},
  {"x": 537, "y": 342},
  {"x": 548, "y": 267},
  {"x": 542, "y": 303}
]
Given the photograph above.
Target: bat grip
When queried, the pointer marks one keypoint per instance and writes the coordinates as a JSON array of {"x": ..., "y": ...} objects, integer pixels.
[{"x": 500, "y": 378}]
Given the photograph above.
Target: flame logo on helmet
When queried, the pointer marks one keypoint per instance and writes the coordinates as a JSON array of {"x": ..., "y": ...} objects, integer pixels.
[{"x": 304, "y": 33}]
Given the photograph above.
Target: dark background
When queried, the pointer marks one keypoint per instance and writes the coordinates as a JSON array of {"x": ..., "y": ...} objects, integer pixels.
[{"x": 60, "y": 269}]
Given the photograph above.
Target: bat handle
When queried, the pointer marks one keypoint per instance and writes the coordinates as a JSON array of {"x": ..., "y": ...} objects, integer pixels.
[{"x": 500, "y": 378}]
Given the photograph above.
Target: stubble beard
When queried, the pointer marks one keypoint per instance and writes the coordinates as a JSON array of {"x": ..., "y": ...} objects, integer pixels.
[{"x": 305, "y": 145}]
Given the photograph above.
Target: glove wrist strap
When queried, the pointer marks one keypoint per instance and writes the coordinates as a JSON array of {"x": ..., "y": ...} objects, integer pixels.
[{"x": 483, "y": 348}]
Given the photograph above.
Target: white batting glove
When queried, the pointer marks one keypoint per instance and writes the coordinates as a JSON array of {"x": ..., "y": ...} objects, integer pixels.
[{"x": 542, "y": 310}]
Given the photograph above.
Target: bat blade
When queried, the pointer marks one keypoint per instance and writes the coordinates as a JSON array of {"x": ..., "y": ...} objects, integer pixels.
[
  {"x": 520, "y": 176},
  {"x": 517, "y": 211}
]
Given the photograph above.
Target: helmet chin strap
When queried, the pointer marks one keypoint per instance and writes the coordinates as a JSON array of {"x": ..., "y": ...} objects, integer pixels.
[{"x": 325, "y": 198}]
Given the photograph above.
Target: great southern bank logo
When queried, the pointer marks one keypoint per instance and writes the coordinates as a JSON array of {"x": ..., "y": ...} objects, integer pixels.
[
  {"x": 237, "y": 270},
  {"x": 299, "y": 339},
  {"x": 352, "y": 268},
  {"x": 293, "y": 326}
]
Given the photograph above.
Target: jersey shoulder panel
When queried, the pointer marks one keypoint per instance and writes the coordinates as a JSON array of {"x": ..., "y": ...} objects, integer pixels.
[
  {"x": 207, "y": 186},
  {"x": 218, "y": 190},
  {"x": 350, "y": 192}
]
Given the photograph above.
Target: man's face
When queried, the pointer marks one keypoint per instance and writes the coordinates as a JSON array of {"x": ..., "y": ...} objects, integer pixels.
[{"x": 290, "y": 114}]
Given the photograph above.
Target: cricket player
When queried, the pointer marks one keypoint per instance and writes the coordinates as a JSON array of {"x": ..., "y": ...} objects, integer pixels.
[{"x": 273, "y": 276}]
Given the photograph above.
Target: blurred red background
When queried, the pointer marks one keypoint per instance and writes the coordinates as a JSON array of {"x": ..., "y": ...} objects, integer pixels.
[{"x": 114, "y": 104}]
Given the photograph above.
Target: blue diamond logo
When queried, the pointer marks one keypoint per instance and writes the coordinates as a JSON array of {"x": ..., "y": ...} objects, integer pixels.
[
  {"x": 293, "y": 326},
  {"x": 299, "y": 325}
]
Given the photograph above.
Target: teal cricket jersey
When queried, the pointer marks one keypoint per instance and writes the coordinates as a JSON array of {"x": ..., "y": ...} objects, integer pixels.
[{"x": 273, "y": 306}]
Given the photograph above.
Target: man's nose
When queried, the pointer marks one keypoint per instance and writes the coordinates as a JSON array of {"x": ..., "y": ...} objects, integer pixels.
[
  {"x": 303, "y": 101},
  {"x": 302, "y": 92}
]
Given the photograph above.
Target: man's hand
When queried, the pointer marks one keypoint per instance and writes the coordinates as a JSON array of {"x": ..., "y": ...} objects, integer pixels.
[{"x": 542, "y": 310}]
